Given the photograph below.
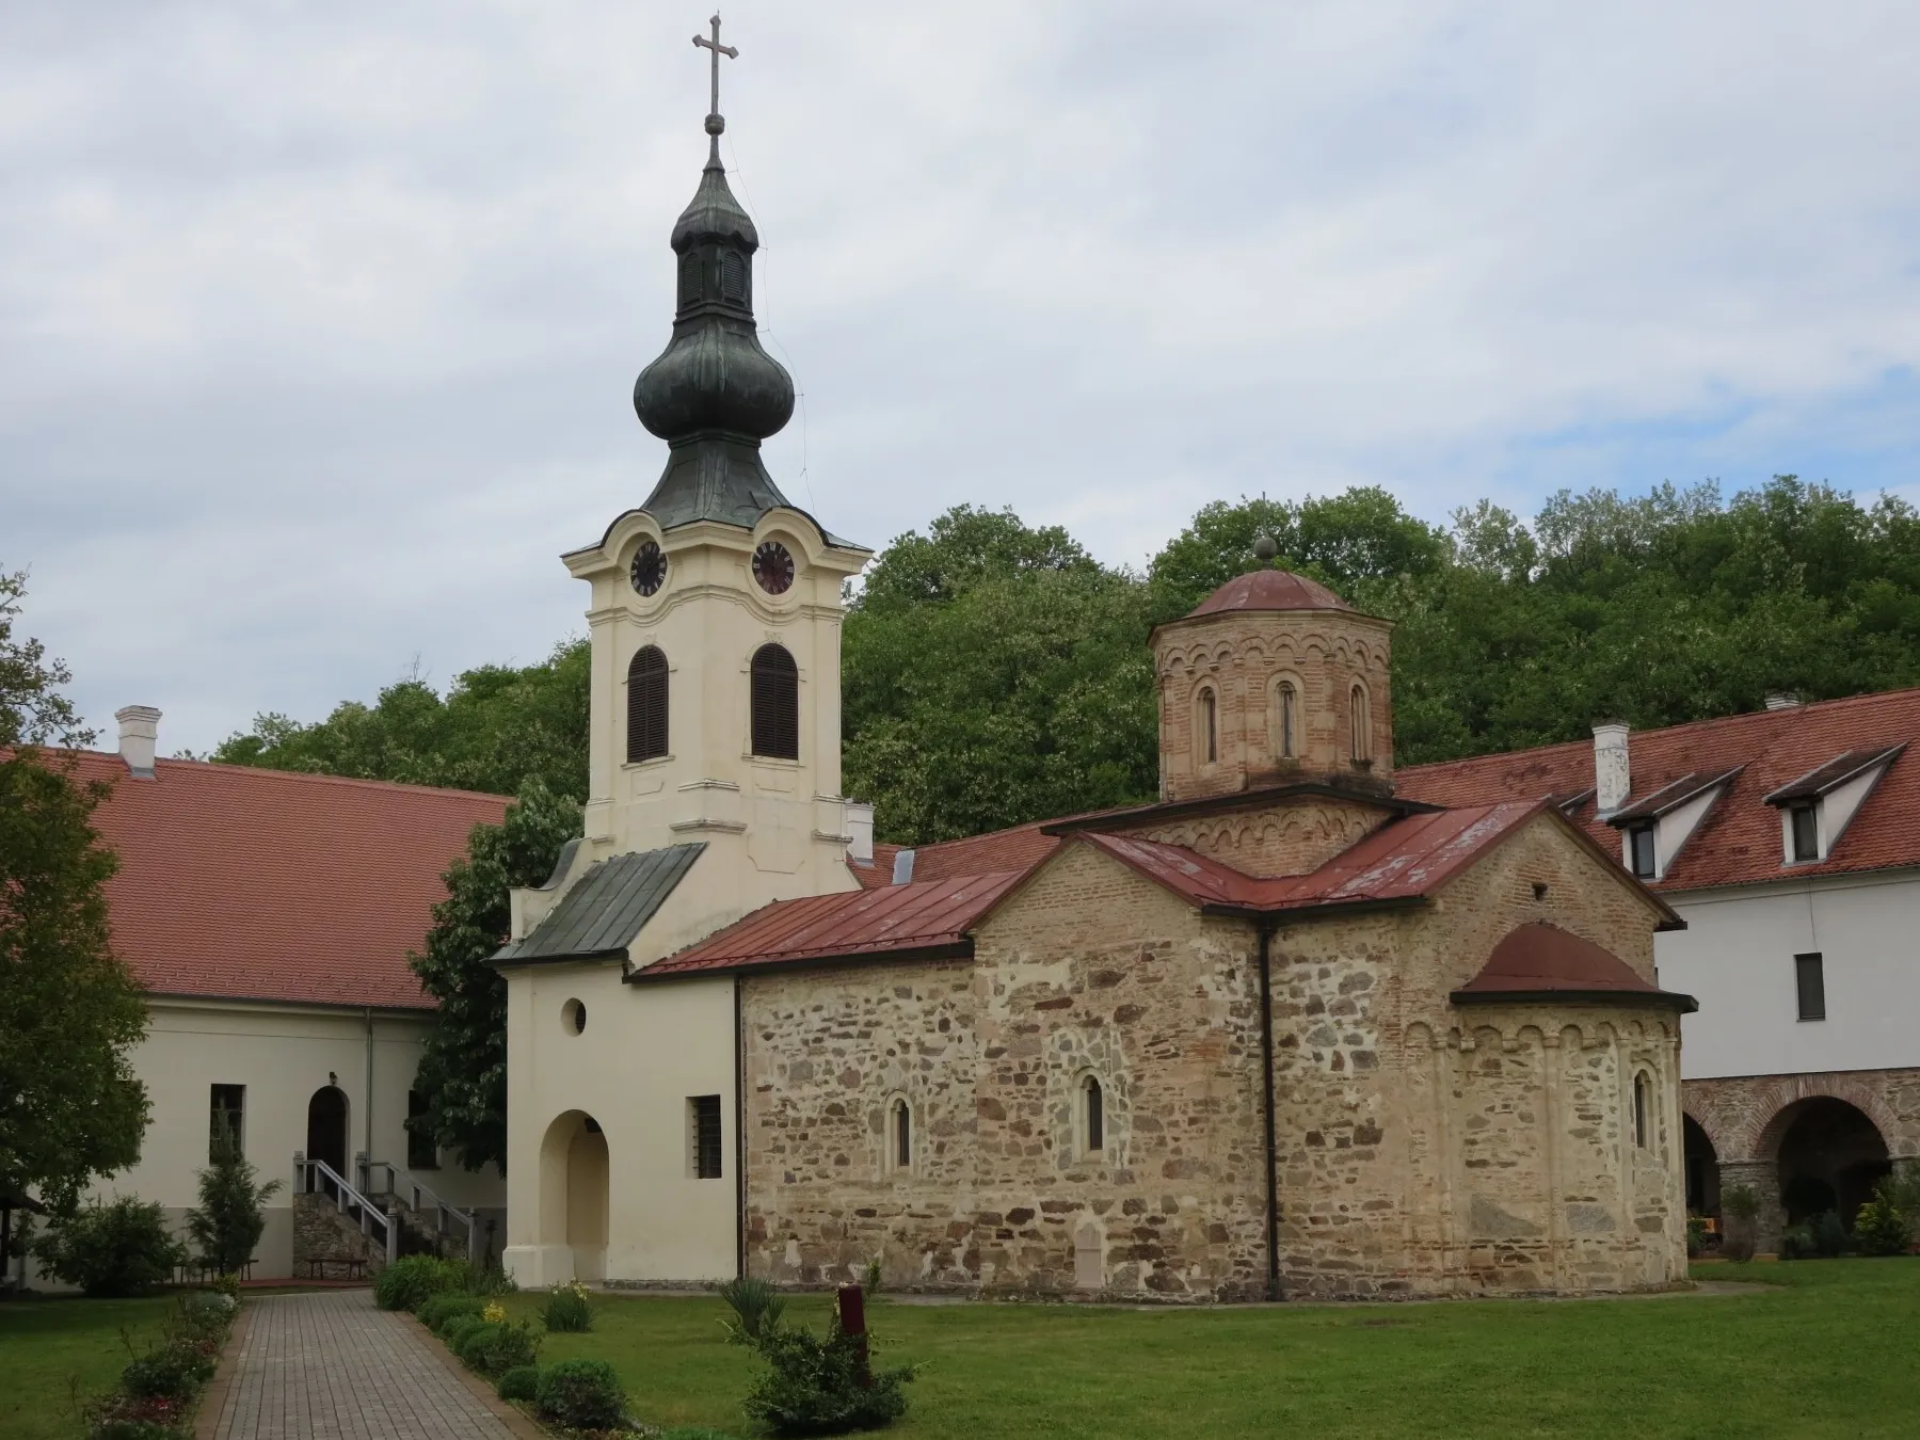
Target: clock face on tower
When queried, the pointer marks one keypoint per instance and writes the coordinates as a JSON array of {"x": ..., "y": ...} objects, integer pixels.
[
  {"x": 773, "y": 567},
  {"x": 649, "y": 569}
]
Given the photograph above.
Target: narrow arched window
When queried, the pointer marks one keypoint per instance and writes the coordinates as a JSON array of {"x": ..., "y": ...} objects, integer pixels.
[
  {"x": 1362, "y": 721},
  {"x": 1642, "y": 1107},
  {"x": 1093, "y": 1116},
  {"x": 1209, "y": 726},
  {"x": 1289, "y": 702},
  {"x": 646, "y": 705},
  {"x": 776, "y": 703},
  {"x": 902, "y": 1128}
]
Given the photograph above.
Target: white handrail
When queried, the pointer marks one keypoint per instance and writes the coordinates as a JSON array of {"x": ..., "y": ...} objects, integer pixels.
[
  {"x": 416, "y": 1189},
  {"x": 343, "y": 1195}
]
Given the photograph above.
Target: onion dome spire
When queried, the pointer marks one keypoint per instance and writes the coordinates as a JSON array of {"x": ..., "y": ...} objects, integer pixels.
[{"x": 713, "y": 394}]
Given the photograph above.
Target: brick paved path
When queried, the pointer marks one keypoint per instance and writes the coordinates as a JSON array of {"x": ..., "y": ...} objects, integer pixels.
[{"x": 329, "y": 1366}]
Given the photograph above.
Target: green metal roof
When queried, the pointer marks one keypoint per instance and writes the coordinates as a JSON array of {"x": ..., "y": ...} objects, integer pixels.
[{"x": 600, "y": 916}]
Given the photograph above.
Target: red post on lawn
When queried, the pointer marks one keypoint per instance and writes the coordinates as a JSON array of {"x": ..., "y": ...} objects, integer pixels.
[{"x": 853, "y": 1322}]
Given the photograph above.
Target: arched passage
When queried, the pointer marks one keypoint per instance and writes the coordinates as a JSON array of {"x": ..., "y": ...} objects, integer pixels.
[
  {"x": 573, "y": 1191},
  {"x": 1831, "y": 1156},
  {"x": 327, "y": 1128},
  {"x": 1703, "y": 1169}
]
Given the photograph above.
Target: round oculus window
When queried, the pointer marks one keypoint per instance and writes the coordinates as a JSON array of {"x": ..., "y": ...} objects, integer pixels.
[
  {"x": 649, "y": 569},
  {"x": 773, "y": 568}
]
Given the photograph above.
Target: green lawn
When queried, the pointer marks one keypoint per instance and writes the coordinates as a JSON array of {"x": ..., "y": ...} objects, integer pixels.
[
  {"x": 49, "y": 1346},
  {"x": 1829, "y": 1352}
]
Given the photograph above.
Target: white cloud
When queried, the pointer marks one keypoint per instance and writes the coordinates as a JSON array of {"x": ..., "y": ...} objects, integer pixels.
[{"x": 317, "y": 324}]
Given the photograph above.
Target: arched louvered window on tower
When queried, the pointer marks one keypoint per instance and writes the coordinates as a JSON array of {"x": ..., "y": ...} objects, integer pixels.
[
  {"x": 646, "y": 705},
  {"x": 1360, "y": 715},
  {"x": 776, "y": 703}
]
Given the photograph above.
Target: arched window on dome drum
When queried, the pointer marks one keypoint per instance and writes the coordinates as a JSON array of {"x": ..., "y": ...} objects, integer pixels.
[
  {"x": 1209, "y": 727},
  {"x": 776, "y": 703},
  {"x": 646, "y": 705},
  {"x": 1362, "y": 721},
  {"x": 1288, "y": 700}
]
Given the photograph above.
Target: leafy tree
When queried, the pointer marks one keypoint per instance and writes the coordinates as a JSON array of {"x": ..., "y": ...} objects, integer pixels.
[
  {"x": 228, "y": 1222},
  {"x": 1013, "y": 686},
  {"x": 463, "y": 1063},
  {"x": 122, "y": 1247},
  {"x": 70, "y": 1107},
  {"x": 496, "y": 727}
]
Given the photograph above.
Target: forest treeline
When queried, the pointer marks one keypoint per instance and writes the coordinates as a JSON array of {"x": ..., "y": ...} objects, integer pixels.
[{"x": 994, "y": 672}]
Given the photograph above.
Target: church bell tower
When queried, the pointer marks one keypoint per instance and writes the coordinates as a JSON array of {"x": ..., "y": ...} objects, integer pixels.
[{"x": 715, "y": 617}]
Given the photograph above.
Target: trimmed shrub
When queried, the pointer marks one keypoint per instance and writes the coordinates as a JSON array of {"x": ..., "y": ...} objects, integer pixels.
[
  {"x": 684, "y": 1433},
  {"x": 495, "y": 1348},
  {"x": 134, "y": 1430},
  {"x": 457, "y": 1329},
  {"x": 567, "y": 1309},
  {"x": 472, "y": 1345},
  {"x": 172, "y": 1372},
  {"x": 208, "y": 1308},
  {"x": 436, "y": 1310},
  {"x": 111, "y": 1250},
  {"x": 815, "y": 1387},
  {"x": 581, "y": 1394},
  {"x": 757, "y": 1308},
  {"x": 406, "y": 1283},
  {"x": 520, "y": 1383}
]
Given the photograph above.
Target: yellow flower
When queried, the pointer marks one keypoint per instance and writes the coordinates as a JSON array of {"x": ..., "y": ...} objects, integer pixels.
[{"x": 494, "y": 1313}]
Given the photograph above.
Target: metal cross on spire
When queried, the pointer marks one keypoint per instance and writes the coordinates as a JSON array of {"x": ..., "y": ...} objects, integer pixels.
[{"x": 715, "y": 124}]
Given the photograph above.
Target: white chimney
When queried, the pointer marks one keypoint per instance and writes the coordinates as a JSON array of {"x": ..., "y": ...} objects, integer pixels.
[
  {"x": 1782, "y": 700},
  {"x": 860, "y": 828},
  {"x": 1612, "y": 776},
  {"x": 139, "y": 735}
]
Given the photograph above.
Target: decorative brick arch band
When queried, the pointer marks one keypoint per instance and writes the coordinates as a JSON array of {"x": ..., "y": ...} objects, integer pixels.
[{"x": 1746, "y": 1119}]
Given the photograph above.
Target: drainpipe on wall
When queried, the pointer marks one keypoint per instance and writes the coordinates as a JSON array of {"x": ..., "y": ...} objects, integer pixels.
[
  {"x": 1267, "y": 928},
  {"x": 366, "y": 1124}
]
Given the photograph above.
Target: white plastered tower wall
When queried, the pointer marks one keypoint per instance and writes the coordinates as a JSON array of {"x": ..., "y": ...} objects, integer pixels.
[{"x": 773, "y": 829}]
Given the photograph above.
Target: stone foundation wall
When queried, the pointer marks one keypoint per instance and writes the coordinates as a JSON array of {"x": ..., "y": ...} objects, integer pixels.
[{"x": 323, "y": 1236}]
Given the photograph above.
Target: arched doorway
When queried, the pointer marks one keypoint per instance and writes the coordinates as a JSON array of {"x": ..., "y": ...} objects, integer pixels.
[
  {"x": 1831, "y": 1157},
  {"x": 574, "y": 1167},
  {"x": 327, "y": 1128},
  {"x": 1703, "y": 1170}
]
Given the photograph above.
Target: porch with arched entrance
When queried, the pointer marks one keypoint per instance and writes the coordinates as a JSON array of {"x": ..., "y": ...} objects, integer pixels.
[
  {"x": 574, "y": 1202},
  {"x": 1813, "y": 1152}
]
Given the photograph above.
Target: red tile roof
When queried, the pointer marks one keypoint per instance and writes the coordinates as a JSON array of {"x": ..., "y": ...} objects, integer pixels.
[
  {"x": 1738, "y": 843},
  {"x": 263, "y": 885},
  {"x": 1269, "y": 590},
  {"x": 1542, "y": 959},
  {"x": 914, "y": 918}
]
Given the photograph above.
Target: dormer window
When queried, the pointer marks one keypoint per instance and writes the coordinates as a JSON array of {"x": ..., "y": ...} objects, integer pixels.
[
  {"x": 1641, "y": 859},
  {"x": 1655, "y": 827},
  {"x": 1803, "y": 821},
  {"x": 1816, "y": 809}
]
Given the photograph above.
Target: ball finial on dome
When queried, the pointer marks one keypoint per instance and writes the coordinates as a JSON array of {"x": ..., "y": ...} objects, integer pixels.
[{"x": 1265, "y": 547}]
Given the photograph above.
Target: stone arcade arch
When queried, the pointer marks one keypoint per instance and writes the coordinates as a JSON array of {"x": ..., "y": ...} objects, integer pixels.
[
  {"x": 1703, "y": 1169},
  {"x": 573, "y": 1192},
  {"x": 1829, "y": 1154}
]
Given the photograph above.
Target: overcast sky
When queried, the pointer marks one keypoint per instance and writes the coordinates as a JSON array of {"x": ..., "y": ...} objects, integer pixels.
[{"x": 319, "y": 323}]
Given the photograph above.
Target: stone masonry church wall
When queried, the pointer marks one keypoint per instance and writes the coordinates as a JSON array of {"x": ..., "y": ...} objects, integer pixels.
[
  {"x": 1088, "y": 971},
  {"x": 1424, "y": 1148},
  {"x": 1420, "y": 1143}
]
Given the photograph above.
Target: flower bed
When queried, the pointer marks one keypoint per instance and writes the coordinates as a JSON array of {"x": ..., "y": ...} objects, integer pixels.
[{"x": 160, "y": 1388}]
